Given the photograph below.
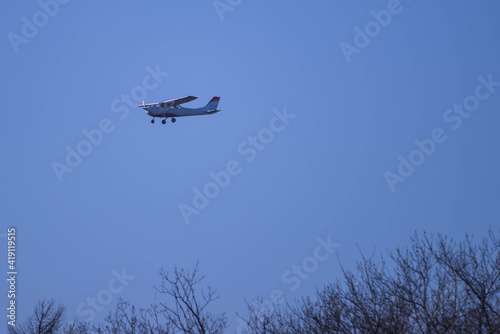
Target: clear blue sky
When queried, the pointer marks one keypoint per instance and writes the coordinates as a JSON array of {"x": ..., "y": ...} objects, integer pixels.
[{"x": 322, "y": 175}]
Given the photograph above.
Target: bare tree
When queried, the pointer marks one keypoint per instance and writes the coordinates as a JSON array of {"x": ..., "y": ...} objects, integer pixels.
[
  {"x": 476, "y": 269},
  {"x": 186, "y": 308},
  {"x": 261, "y": 320},
  {"x": 77, "y": 327},
  {"x": 124, "y": 319},
  {"x": 47, "y": 318},
  {"x": 154, "y": 322},
  {"x": 435, "y": 285}
]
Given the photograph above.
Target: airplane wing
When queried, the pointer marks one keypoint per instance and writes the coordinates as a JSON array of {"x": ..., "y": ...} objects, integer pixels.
[
  {"x": 181, "y": 100},
  {"x": 171, "y": 103},
  {"x": 148, "y": 105}
]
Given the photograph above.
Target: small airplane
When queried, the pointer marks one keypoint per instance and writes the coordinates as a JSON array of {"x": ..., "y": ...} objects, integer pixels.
[{"x": 173, "y": 109}]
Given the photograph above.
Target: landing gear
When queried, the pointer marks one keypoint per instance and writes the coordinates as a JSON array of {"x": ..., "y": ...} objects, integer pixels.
[
  {"x": 153, "y": 121},
  {"x": 173, "y": 120},
  {"x": 163, "y": 121}
]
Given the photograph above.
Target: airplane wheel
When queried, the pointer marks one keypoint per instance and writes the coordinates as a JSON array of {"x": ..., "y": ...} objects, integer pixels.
[
  {"x": 173, "y": 120},
  {"x": 163, "y": 121},
  {"x": 153, "y": 121}
]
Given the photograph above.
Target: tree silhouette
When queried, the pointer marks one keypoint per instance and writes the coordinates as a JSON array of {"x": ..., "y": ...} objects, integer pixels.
[
  {"x": 47, "y": 318},
  {"x": 186, "y": 309},
  {"x": 434, "y": 285}
]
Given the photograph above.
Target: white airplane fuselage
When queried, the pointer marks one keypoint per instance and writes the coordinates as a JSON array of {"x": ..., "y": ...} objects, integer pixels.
[{"x": 176, "y": 111}]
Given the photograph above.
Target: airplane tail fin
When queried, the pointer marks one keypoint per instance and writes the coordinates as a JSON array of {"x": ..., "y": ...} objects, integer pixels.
[{"x": 212, "y": 105}]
